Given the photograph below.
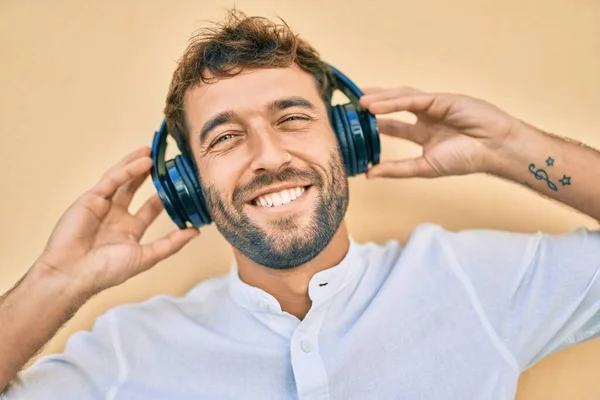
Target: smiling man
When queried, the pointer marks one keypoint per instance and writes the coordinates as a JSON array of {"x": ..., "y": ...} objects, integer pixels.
[
  {"x": 270, "y": 164},
  {"x": 306, "y": 312},
  {"x": 272, "y": 174}
]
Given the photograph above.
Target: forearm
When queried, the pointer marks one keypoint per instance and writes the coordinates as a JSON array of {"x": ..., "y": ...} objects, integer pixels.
[
  {"x": 560, "y": 168},
  {"x": 30, "y": 315}
]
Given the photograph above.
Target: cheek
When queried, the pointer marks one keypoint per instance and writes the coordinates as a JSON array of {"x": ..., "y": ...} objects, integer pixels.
[
  {"x": 318, "y": 147},
  {"x": 221, "y": 176}
]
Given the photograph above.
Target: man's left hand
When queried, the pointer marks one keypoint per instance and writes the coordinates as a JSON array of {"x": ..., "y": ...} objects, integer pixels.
[{"x": 459, "y": 134}]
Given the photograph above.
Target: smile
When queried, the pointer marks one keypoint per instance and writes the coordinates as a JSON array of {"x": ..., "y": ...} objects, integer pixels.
[{"x": 279, "y": 198}]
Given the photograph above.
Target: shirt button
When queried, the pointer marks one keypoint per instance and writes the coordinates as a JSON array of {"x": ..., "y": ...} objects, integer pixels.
[
  {"x": 306, "y": 346},
  {"x": 263, "y": 305}
]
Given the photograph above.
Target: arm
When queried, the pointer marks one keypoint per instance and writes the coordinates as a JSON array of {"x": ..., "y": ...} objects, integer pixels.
[
  {"x": 540, "y": 292},
  {"x": 463, "y": 135},
  {"x": 27, "y": 321},
  {"x": 94, "y": 246},
  {"x": 559, "y": 168}
]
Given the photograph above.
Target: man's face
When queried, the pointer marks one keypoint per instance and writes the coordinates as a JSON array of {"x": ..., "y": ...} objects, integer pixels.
[{"x": 269, "y": 164}]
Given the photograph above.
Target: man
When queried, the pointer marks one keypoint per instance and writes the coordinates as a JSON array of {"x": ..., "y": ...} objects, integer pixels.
[{"x": 306, "y": 312}]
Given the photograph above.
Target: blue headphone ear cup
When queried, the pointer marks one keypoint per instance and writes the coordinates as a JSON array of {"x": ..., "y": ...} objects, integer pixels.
[
  {"x": 168, "y": 196},
  {"x": 340, "y": 133},
  {"x": 357, "y": 137},
  {"x": 351, "y": 145},
  {"x": 371, "y": 129},
  {"x": 182, "y": 192},
  {"x": 363, "y": 131},
  {"x": 190, "y": 178}
]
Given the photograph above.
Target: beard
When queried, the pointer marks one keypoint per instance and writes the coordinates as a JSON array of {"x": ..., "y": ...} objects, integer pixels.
[{"x": 286, "y": 244}]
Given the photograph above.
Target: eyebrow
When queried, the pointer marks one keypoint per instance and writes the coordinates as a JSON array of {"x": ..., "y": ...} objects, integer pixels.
[
  {"x": 288, "y": 102},
  {"x": 276, "y": 105},
  {"x": 219, "y": 119}
]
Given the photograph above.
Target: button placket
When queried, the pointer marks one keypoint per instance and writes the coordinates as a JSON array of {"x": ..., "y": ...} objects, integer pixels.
[
  {"x": 306, "y": 346},
  {"x": 309, "y": 371}
]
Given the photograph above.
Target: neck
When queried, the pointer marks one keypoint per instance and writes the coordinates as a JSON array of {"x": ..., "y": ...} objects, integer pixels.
[{"x": 290, "y": 287}]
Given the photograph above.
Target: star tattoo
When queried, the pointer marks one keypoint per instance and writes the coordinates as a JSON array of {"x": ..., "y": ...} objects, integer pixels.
[
  {"x": 550, "y": 162},
  {"x": 565, "y": 181}
]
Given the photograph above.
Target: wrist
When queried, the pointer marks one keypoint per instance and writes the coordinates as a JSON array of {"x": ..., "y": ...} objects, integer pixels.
[
  {"x": 69, "y": 290},
  {"x": 524, "y": 144}
]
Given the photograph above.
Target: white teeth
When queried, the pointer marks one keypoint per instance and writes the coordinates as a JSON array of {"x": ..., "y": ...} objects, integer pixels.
[{"x": 276, "y": 199}]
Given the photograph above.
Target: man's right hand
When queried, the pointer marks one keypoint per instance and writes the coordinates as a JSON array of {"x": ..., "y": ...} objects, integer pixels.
[{"x": 95, "y": 244}]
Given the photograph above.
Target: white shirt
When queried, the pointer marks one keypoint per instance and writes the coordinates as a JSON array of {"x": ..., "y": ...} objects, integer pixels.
[{"x": 447, "y": 316}]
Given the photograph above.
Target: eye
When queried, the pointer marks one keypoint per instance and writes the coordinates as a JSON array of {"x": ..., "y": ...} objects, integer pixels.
[
  {"x": 295, "y": 118},
  {"x": 221, "y": 139}
]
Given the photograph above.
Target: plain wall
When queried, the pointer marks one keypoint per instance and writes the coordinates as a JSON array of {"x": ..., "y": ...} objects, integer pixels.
[{"x": 83, "y": 82}]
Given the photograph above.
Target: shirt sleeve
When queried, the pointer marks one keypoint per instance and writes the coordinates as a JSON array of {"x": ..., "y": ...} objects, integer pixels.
[
  {"x": 87, "y": 369},
  {"x": 540, "y": 292}
]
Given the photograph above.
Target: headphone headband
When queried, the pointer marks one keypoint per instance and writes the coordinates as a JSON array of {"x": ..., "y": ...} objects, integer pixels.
[{"x": 346, "y": 86}]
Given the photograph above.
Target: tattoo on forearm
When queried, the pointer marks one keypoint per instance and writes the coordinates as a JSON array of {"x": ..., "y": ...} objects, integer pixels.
[
  {"x": 565, "y": 181},
  {"x": 541, "y": 175}
]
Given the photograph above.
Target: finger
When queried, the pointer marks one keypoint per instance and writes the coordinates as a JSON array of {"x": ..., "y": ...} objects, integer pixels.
[
  {"x": 408, "y": 168},
  {"x": 371, "y": 90},
  {"x": 403, "y": 130},
  {"x": 388, "y": 94},
  {"x": 154, "y": 252},
  {"x": 126, "y": 192},
  {"x": 143, "y": 151},
  {"x": 137, "y": 153},
  {"x": 113, "y": 179},
  {"x": 150, "y": 210},
  {"x": 433, "y": 105}
]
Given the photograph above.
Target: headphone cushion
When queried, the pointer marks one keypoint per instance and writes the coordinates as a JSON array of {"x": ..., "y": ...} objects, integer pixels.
[
  {"x": 351, "y": 145},
  {"x": 357, "y": 135},
  {"x": 169, "y": 198},
  {"x": 342, "y": 137},
  {"x": 371, "y": 130},
  {"x": 195, "y": 191},
  {"x": 185, "y": 202}
]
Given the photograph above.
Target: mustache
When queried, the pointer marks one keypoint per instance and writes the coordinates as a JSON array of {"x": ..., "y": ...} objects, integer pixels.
[{"x": 289, "y": 175}]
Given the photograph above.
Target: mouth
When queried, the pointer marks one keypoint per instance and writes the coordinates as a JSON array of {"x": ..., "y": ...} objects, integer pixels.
[{"x": 280, "y": 199}]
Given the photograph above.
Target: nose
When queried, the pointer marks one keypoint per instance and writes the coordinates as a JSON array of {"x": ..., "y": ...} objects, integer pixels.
[{"x": 269, "y": 154}]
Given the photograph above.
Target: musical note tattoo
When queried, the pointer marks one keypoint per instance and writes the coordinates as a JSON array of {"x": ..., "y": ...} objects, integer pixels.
[{"x": 541, "y": 175}]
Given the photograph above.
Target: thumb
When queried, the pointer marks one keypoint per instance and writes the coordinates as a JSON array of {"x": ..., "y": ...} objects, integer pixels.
[{"x": 407, "y": 168}]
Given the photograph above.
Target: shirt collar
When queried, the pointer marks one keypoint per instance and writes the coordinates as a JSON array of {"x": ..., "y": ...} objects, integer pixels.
[{"x": 322, "y": 286}]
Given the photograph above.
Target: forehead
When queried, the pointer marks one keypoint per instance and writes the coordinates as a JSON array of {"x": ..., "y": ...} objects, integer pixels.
[{"x": 248, "y": 91}]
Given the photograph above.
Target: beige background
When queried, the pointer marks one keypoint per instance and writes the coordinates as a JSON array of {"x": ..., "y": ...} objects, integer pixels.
[{"x": 83, "y": 82}]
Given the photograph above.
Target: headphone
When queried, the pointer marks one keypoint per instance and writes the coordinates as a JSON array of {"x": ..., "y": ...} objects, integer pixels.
[{"x": 178, "y": 183}]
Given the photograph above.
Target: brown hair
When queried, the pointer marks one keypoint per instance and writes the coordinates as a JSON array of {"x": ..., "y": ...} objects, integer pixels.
[{"x": 225, "y": 49}]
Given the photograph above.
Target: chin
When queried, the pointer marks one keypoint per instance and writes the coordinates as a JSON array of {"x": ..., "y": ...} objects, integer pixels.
[
  {"x": 284, "y": 228},
  {"x": 283, "y": 236}
]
